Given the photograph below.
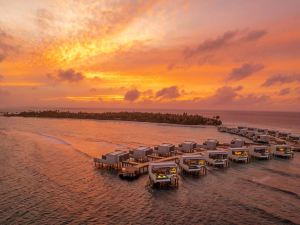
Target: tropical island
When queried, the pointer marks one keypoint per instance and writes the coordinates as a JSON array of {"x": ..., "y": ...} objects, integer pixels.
[{"x": 184, "y": 118}]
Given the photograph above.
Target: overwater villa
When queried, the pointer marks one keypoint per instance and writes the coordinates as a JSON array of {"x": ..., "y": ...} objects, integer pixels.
[
  {"x": 261, "y": 138},
  {"x": 217, "y": 158},
  {"x": 260, "y": 152},
  {"x": 282, "y": 135},
  {"x": 282, "y": 151},
  {"x": 163, "y": 174},
  {"x": 193, "y": 164},
  {"x": 141, "y": 153},
  {"x": 165, "y": 149},
  {"x": 222, "y": 129},
  {"x": 294, "y": 138},
  {"x": 272, "y": 132},
  {"x": 243, "y": 132},
  {"x": 187, "y": 146},
  {"x": 262, "y": 131},
  {"x": 237, "y": 143},
  {"x": 112, "y": 160},
  {"x": 239, "y": 154},
  {"x": 234, "y": 130},
  {"x": 210, "y": 144},
  {"x": 250, "y": 134}
]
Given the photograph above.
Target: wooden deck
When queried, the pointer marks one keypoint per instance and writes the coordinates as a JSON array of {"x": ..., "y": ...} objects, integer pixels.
[{"x": 141, "y": 168}]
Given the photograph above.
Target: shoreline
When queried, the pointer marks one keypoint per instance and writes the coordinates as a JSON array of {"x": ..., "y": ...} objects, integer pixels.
[{"x": 159, "y": 118}]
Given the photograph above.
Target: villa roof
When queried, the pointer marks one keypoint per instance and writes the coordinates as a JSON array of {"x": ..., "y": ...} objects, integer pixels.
[
  {"x": 188, "y": 142},
  {"x": 166, "y": 145},
  {"x": 211, "y": 140},
  {"x": 142, "y": 148},
  {"x": 117, "y": 152}
]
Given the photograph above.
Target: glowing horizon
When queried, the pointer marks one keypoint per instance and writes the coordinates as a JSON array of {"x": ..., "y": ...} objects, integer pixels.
[{"x": 150, "y": 54}]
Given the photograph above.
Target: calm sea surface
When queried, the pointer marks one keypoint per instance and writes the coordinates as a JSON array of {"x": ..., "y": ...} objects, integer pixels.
[{"x": 47, "y": 176}]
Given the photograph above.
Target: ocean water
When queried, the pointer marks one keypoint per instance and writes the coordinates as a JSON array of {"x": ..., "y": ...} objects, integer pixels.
[{"x": 47, "y": 176}]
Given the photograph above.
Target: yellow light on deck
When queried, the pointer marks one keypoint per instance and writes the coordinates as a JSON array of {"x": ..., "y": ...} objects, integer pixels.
[
  {"x": 201, "y": 162},
  {"x": 173, "y": 170}
]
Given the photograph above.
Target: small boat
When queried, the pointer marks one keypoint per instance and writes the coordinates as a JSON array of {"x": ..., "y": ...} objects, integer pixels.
[
  {"x": 163, "y": 174},
  {"x": 284, "y": 151},
  {"x": 239, "y": 154},
  {"x": 260, "y": 152},
  {"x": 193, "y": 164},
  {"x": 218, "y": 158}
]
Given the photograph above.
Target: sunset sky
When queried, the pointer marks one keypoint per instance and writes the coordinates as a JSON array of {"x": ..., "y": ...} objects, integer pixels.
[{"x": 197, "y": 54}]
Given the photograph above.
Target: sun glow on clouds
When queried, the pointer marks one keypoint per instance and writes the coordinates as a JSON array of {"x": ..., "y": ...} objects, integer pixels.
[
  {"x": 79, "y": 51},
  {"x": 158, "y": 53},
  {"x": 96, "y": 98}
]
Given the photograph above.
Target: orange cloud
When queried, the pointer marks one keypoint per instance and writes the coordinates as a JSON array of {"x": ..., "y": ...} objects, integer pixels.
[{"x": 149, "y": 54}]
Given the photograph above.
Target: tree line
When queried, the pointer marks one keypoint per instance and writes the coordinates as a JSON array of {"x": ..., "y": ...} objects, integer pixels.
[{"x": 184, "y": 118}]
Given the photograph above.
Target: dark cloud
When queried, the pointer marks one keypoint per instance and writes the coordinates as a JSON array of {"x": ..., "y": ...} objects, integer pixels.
[
  {"x": 132, "y": 95},
  {"x": 227, "y": 96},
  {"x": 229, "y": 37},
  {"x": 211, "y": 44},
  {"x": 284, "y": 91},
  {"x": 69, "y": 75},
  {"x": 254, "y": 35},
  {"x": 244, "y": 71},
  {"x": 282, "y": 79},
  {"x": 168, "y": 93},
  {"x": 224, "y": 95}
]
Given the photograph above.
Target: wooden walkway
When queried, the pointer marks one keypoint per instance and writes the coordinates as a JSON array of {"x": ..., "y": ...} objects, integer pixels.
[{"x": 141, "y": 168}]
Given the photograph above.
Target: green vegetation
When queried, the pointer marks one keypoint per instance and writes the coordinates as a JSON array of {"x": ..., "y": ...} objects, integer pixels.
[{"x": 185, "y": 119}]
